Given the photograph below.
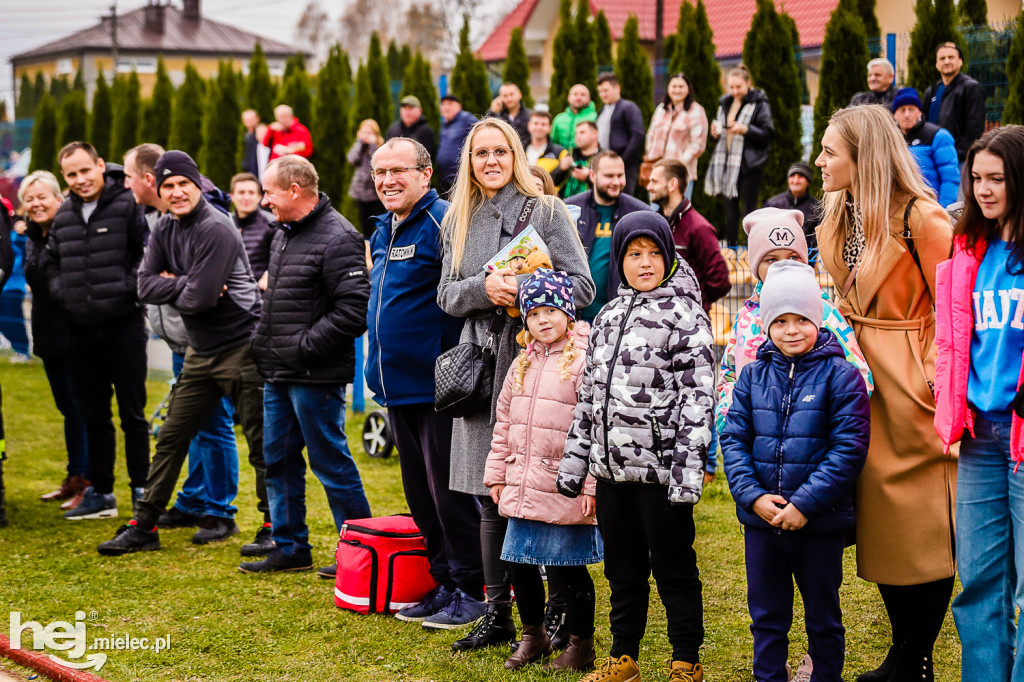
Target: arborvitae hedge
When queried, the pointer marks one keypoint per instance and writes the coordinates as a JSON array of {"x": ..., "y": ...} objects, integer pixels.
[
  {"x": 633, "y": 69},
  {"x": 27, "y": 102},
  {"x": 260, "y": 91},
  {"x": 469, "y": 80},
  {"x": 99, "y": 121},
  {"x": 675, "y": 48},
  {"x": 1013, "y": 112},
  {"x": 73, "y": 121},
  {"x": 221, "y": 124},
  {"x": 187, "y": 123},
  {"x": 563, "y": 59},
  {"x": 127, "y": 110},
  {"x": 418, "y": 81},
  {"x": 363, "y": 107},
  {"x": 380, "y": 83},
  {"x": 330, "y": 123},
  {"x": 973, "y": 12},
  {"x": 602, "y": 42},
  {"x": 44, "y": 137},
  {"x": 297, "y": 91},
  {"x": 517, "y": 66},
  {"x": 156, "y": 120},
  {"x": 585, "y": 61}
]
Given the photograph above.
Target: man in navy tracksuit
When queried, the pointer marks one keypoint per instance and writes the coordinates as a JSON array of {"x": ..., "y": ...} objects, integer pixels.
[{"x": 407, "y": 331}]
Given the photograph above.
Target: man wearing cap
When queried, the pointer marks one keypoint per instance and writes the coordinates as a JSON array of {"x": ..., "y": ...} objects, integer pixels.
[
  {"x": 454, "y": 129},
  {"x": 286, "y": 135},
  {"x": 881, "y": 88},
  {"x": 413, "y": 124},
  {"x": 956, "y": 101},
  {"x": 798, "y": 196},
  {"x": 931, "y": 146},
  {"x": 508, "y": 106},
  {"x": 196, "y": 261}
]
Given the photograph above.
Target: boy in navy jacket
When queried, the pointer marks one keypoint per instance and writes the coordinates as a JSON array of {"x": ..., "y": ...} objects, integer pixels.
[{"x": 795, "y": 442}]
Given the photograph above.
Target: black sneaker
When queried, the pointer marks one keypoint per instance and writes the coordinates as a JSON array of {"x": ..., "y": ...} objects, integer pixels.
[
  {"x": 213, "y": 529},
  {"x": 175, "y": 518},
  {"x": 279, "y": 561},
  {"x": 262, "y": 545},
  {"x": 131, "y": 538},
  {"x": 328, "y": 572}
]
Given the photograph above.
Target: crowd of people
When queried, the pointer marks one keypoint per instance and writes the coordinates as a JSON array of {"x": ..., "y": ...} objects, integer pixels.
[{"x": 838, "y": 412}]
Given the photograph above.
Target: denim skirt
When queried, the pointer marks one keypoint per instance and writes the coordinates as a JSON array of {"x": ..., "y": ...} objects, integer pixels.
[{"x": 546, "y": 544}]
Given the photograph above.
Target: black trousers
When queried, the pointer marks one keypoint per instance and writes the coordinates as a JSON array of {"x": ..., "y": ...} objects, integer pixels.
[
  {"x": 449, "y": 520},
  {"x": 368, "y": 209},
  {"x": 578, "y": 592},
  {"x": 194, "y": 397},
  {"x": 644, "y": 533},
  {"x": 748, "y": 186},
  {"x": 916, "y": 613},
  {"x": 497, "y": 575},
  {"x": 103, "y": 364}
]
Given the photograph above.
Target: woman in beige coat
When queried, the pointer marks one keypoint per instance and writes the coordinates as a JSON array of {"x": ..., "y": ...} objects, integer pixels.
[{"x": 881, "y": 237}]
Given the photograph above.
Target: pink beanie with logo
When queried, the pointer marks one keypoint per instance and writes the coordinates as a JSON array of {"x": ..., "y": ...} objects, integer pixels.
[{"x": 774, "y": 228}]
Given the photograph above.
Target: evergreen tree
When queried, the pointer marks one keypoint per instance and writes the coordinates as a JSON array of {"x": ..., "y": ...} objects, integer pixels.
[
  {"x": 633, "y": 69},
  {"x": 1013, "y": 112},
  {"x": 59, "y": 87},
  {"x": 330, "y": 123},
  {"x": 187, "y": 122},
  {"x": 296, "y": 90},
  {"x": 866, "y": 10},
  {"x": 399, "y": 59},
  {"x": 769, "y": 53},
  {"x": 221, "y": 127},
  {"x": 936, "y": 24},
  {"x": 973, "y": 12},
  {"x": 73, "y": 122},
  {"x": 39, "y": 88},
  {"x": 156, "y": 119},
  {"x": 27, "y": 102},
  {"x": 563, "y": 59},
  {"x": 585, "y": 59},
  {"x": 127, "y": 107},
  {"x": 844, "y": 58},
  {"x": 675, "y": 49},
  {"x": 517, "y": 66},
  {"x": 79, "y": 84},
  {"x": 363, "y": 107},
  {"x": 44, "y": 137},
  {"x": 602, "y": 42},
  {"x": 469, "y": 80},
  {"x": 99, "y": 121},
  {"x": 260, "y": 92},
  {"x": 805, "y": 94},
  {"x": 380, "y": 83},
  {"x": 418, "y": 81}
]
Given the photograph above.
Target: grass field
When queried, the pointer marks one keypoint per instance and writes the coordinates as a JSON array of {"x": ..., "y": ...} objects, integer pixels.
[{"x": 224, "y": 625}]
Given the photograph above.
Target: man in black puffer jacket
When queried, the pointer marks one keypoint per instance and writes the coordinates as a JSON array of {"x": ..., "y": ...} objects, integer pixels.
[
  {"x": 313, "y": 311},
  {"x": 92, "y": 261},
  {"x": 196, "y": 262}
]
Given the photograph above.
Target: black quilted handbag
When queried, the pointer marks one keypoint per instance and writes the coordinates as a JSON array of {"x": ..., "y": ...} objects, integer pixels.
[{"x": 464, "y": 375}]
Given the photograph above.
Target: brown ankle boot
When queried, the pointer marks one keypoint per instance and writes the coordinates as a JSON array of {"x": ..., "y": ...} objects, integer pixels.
[
  {"x": 77, "y": 493},
  {"x": 63, "y": 492},
  {"x": 535, "y": 645},
  {"x": 578, "y": 656}
]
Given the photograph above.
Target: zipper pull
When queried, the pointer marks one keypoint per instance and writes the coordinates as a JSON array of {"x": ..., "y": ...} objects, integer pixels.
[
  {"x": 344, "y": 529},
  {"x": 547, "y": 351},
  {"x": 792, "y": 367}
]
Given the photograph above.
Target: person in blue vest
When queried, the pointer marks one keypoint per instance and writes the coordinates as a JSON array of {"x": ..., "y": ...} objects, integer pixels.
[
  {"x": 407, "y": 332},
  {"x": 931, "y": 146}
]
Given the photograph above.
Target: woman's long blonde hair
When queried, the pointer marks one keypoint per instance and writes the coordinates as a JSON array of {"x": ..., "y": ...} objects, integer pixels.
[
  {"x": 468, "y": 194},
  {"x": 569, "y": 353},
  {"x": 882, "y": 168}
]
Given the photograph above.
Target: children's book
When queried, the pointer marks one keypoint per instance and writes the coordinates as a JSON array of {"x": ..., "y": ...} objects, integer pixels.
[{"x": 514, "y": 254}]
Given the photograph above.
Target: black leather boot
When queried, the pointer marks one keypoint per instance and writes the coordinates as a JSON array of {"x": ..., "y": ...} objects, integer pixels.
[
  {"x": 883, "y": 673},
  {"x": 495, "y": 627},
  {"x": 914, "y": 668}
]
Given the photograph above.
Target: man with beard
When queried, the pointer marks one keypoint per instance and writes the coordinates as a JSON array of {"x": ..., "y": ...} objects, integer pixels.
[{"x": 601, "y": 208}]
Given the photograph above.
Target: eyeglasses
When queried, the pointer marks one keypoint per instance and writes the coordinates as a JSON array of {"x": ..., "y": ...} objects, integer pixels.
[
  {"x": 381, "y": 173},
  {"x": 481, "y": 153}
]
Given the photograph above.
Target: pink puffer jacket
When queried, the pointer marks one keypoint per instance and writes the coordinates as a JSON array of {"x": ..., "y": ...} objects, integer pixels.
[
  {"x": 529, "y": 437},
  {"x": 954, "y": 322}
]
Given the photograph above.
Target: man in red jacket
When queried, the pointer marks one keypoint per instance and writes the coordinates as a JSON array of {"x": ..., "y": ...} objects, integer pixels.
[
  {"x": 695, "y": 238},
  {"x": 286, "y": 135}
]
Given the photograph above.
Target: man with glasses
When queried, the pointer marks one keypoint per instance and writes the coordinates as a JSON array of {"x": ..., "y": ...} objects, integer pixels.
[
  {"x": 304, "y": 347},
  {"x": 956, "y": 101},
  {"x": 407, "y": 331}
]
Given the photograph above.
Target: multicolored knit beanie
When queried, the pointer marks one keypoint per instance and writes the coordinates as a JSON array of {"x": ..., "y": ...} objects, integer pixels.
[{"x": 546, "y": 287}]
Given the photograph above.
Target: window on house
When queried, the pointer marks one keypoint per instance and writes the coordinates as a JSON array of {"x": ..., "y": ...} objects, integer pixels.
[{"x": 138, "y": 64}]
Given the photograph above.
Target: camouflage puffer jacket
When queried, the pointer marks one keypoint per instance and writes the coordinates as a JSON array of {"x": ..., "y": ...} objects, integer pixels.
[{"x": 645, "y": 407}]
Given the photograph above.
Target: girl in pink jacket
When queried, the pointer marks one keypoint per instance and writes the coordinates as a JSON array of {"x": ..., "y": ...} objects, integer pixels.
[
  {"x": 534, "y": 413},
  {"x": 979, "y": 370}
]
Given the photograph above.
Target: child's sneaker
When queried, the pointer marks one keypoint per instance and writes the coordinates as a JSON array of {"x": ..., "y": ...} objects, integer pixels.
[
  {"x": 803, "y": 672},
  {"x": 681, "y": 671},
  {"x": 621, "y": 669}
]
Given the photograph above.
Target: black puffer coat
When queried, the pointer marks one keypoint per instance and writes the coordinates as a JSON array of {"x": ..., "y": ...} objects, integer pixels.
[
  {"x": 92, "y": 268},
  {"x": 49, "y": 322},
  {"x": 316, "y": 299}
]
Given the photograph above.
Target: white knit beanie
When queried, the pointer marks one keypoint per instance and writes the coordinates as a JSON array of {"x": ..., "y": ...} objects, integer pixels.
[{"x": 791, "y": 287}]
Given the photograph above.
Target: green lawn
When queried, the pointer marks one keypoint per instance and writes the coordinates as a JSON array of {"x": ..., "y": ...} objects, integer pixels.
[{"x": 224, "y": 625}]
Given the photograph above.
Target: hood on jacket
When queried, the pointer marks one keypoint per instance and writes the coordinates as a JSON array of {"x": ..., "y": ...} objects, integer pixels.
[{"x": 643, "y": 224}]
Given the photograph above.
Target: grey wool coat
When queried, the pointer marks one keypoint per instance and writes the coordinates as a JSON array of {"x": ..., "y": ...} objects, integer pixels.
[{"x": 465, "y": 296}]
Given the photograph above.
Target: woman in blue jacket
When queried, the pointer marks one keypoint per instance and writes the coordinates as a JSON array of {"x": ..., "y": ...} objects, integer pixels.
[{"x": 931, "y": 146}]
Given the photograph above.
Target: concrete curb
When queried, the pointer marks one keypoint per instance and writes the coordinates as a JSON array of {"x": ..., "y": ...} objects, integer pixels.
[{"x": 43, "y": 665}]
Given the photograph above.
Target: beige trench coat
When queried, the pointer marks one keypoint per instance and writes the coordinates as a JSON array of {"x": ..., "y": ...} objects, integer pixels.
[{"x": 905, "y": 497}]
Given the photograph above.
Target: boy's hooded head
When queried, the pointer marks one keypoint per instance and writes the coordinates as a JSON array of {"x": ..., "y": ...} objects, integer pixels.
[
  {"x": 643, "y": 224},
  {"x": 769, "y": 229},
  {"x": 551, "y": 288},
  {"x": 791, "y": 287}
]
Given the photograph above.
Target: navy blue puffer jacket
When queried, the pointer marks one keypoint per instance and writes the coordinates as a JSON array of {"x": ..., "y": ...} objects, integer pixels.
[{"x": 799, "y": 428}]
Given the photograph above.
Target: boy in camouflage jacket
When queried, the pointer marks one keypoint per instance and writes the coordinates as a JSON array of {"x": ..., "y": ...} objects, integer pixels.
[{"x": 642, "y": 426}]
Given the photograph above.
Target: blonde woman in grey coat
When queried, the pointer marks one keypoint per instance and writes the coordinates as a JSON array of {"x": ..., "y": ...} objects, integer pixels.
[{"x": 491, "y": 189}]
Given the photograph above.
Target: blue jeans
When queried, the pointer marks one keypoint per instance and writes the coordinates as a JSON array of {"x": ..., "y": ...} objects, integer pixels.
[
  {"x": 59, "y": 376},
  {"x": 311, "y": 416},
  {"x": 212, "y": 483},
  {"x": 990, "y": 554}
]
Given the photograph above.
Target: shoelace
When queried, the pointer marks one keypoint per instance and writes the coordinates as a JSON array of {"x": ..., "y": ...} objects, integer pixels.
[
  {"x": 603, "y": 668},
  {"x": 679, "y": 675},
  {"x": 455, "y": 605},
  {"x": 483, "y": 626}
]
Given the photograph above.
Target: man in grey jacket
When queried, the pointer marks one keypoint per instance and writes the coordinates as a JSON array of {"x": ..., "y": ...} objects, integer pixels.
[{"x": 195, "y": 260}]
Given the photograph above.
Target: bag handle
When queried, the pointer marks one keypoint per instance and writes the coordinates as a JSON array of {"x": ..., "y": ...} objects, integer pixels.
[{"x": 524, "y": 217}]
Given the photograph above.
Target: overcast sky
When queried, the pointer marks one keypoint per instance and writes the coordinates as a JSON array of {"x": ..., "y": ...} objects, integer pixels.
[{"x": 26, "y": 25}]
